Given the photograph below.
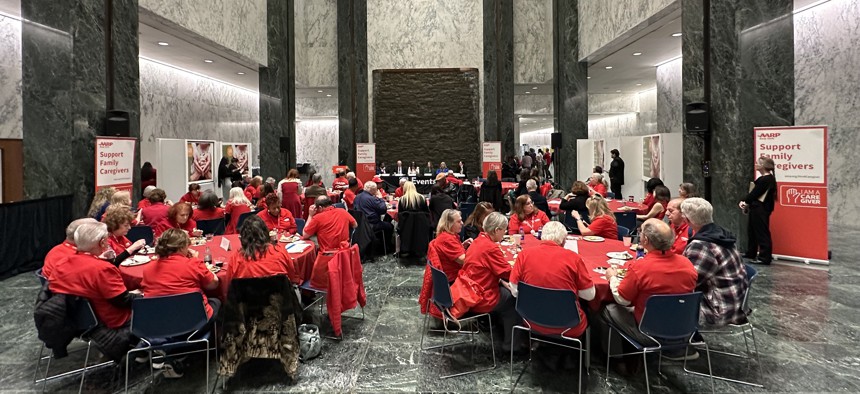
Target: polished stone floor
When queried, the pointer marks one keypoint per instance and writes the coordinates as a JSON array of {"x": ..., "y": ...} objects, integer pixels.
[{"x": 807, "y": 325}]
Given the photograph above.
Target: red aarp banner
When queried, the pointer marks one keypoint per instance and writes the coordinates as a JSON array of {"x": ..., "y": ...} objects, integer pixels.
[
  {"x": 491, "y": 157},
  {"x": 798, "y": 224},
  {"x": 115, "y": 162},
  {"x": 365, "y": 161}
]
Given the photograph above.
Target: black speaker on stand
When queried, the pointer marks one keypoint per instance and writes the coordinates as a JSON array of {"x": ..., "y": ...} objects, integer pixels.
[
  {"x": 117, "y": 123},
  {"x": 697, "y": 118},
  {"x": 555, "y": 143}
]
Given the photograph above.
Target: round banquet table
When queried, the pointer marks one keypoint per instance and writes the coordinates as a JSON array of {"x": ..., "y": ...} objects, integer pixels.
[
  {"x": 304, "y": 263},
  {"x": 617, "y": 206},
  {"x": 594, "y": 256}
]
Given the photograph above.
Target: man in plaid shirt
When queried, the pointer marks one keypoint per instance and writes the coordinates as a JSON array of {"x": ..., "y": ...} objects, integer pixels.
[{"x": 722, "y": 277}]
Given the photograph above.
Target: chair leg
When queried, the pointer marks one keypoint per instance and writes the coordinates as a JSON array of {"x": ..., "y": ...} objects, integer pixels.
[
  {"x": 47, "y": 368},
  {"x": 207, "y": 365},
  {"x": 755, "y": 347},
  {"x": 38, "y": 363},
  {"x": 645, "y": 366},
  {"x": 86, "y": 361},
  {"x": 608, "y": 354},
  {"x": 127, "y": 357}
]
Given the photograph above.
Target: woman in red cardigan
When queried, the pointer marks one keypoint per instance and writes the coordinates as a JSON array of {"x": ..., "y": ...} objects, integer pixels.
[
  {"x": 526, "y": 216},
  {"x": 178, "y": 216}
]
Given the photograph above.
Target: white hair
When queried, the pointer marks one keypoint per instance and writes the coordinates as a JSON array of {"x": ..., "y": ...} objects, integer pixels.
[
  {"x": 658, "y": 233},
  {"x": 237, "y": 195},
  {"x": 350, "y": 175},
  {"x": 88, "y": 236},
  {"x": 148, "y": 190},
  {"x": 531, "y": 184},
  {"x": 402, "y": 181},
  {"x": 555, "y": 232},
  {"x": 370, "y": 187},
  {"x": 70, "y": 230},
  {"x": 495, "y": 221},
  {"x": 698, "y": 211}
]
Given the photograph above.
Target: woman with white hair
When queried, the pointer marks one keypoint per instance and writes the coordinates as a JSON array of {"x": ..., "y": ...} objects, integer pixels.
[
  {"x": 144, "y": 202},
  {"x": 596, "y": 185},
  {"x": 236, "y": 206}
]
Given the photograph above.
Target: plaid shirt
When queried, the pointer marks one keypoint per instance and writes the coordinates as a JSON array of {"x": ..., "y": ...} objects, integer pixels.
[{"x": 722, "y": 281}]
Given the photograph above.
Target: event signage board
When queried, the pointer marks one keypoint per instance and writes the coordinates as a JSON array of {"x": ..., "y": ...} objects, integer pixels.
[
  {"x": 652, "y": 152},
  {"x": 365, "y": 161},
  {"x": 491, "y": 158},
  {"x": 115, "y": 163},
  {"x": 200, "y": 158},
  {"x": 241, "y": 151},
  {"x": 800, "y": 159}
]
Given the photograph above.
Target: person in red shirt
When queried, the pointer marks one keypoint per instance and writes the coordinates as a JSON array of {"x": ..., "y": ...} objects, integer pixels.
[
  {"x": 452, "y": 179},
  {"x": 277, "y": 218},
  {"x": 156, "y": 212},
  {"x": 679, "y": 226},
  {"x": 526, "y": 216},
  {"x": 659, "y": 272},
  {"x": 236, "y": 206},
  {"x": 552, "y": 266},
  {"x": 349, "y": 194},
  {"x": 450, "y": 251},
  {"x": 265, "y": 191},
  {"x": 351, "y": 175},
  {"x": 178, "y": 216},
  {"x": 596, "y": 186},
  {"x": 65, "y": 249},
  {"x": 193, "y": 195},
  {"x": 253, "y": 190},
  {"x": 178, "y": 271},
  {"x": 602, "y": 219},
  {"x": 399, "y": 191},
  {"x": 331, "y": 225},
  {"x": 144, "y": 202},
  {"x": 380, "y": 190},
  {"x": 208, "y": 208},
  {"x": 118, "y": 220},
  {"x": 258, "y": 257},
  {"x": 340, "y": 183},
  {"x": 100, "y": 282},
  {"x": 661, "y": 196},
  {"x": 649, "y": 196}
]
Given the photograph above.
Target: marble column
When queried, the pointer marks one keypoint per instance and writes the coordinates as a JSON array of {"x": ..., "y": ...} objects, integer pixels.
[
  {"x": 277, "y": 91},
  {"x": 693, "y": 82},
  {"x": 571, "y": 88},
  {"x": 352, "y": 105},
  {"x": 125, "y": 88},
  {"x": 750, "y": 74},
  {"x": 65, "y": 88},
  {"x": 499, "y": 74}
]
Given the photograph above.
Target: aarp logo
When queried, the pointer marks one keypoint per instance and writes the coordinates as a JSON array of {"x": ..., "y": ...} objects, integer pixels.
[{"x": 769, "y": 136}]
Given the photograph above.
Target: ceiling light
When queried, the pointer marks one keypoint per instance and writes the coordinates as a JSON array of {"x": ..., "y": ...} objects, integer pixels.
[
  {"x": 617, "y": 91},
  {"x": 638, "y": 84},
  {"x": 676, "y": 35},
  {"x": 527, "y": 92},
  {"x": 162, "y": 43},
  {"x": 328, "y": 95},
  {"x": 240, "y": 73},
  {"x": 319, "y": 91},
  {"x": 608, "y": 67},
  {"x": 207, "y": 61},
  {"x": 534, "y": 87},
  {"x": 637, "y": 53},
  {"x": 588, "y": 77}
]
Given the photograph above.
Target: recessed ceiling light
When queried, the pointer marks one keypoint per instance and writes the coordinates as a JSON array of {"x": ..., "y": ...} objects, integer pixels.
[
  {"x": 162, "y": 43},
  {"x": 328, "y": 95},
  {"x": 676, "y": 34},
  {"x": 240, "y": 73},
  {"x": 528, "y": 92},
  {"x": 588, "y": 77},
  {"x": 207, "y": 61},
  {"x": 637, "y": 53},
  {"x": 534, "y": 87},
  {"x": 608, "y": 67},
  {"x": 617, "y": 91},
  {"x": 319, "y": 91},
  {"x": 638, "y": 84}
]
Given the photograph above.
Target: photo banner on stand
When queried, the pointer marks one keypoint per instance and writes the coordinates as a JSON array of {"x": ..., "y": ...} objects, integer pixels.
[
  {"x": 239, "y": 151},
  {"x": 115, "y": 163},
  {"x": 651, "y": 157},
  {"x": 199, "y": 160},
  {"x": 600, "y": 154},
  {"x": 365, "y": 161},
  {"x": 491, "y": 158},
  {"x": 800, "y": 159}
]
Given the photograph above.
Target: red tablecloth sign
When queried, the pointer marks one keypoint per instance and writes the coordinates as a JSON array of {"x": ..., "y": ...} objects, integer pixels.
[
  {"x": 304, "y": 262},
  {"x": 615, "y": 205}
]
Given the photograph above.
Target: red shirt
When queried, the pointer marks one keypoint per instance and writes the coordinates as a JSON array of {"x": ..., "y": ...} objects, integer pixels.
[
  {"x": 235, "y": 211},
  {"x": 118, "y": 244},
  {"x": 251, "y": 192},
  {"x": 649, "y": 203},
  {"x": 177, "y": 274},
  {"x": 283, "y": 222},
  {"x": 275, "y": 261},
  {"x": 331, "y": 226},
  {"x": 143, "y": 203},
  {"x": 189, "y": 198},
  {"x": 454, "y": 179},
  {"x": 486, "y": 264},
  {"x": 162, "y": 226},
  {"x": 535, "y": 222},
  {"x": 340, "y": 184},
  {"x": 154, "y": 214},
  {"x": 348, "y": 198},
  {"x": 600, "y": 189},
  {"x": 55, "y": 255},
  {"x": 208, "y": 214},
  {"x": 554, "y": 267},
  {"x": 96, "y": 280},
  {"x": 656, "y": 273},
  {"x": 398, "y": 192},
  {"x": 682, "y": 236},
  {"x": 449, "y": 248},
  {"x": 604, "y": 226}
]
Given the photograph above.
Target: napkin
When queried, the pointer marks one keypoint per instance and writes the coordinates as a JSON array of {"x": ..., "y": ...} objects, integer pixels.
[{"x": 298, "y": 247}]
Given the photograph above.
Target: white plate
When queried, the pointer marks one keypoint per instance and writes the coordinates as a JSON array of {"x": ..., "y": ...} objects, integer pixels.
[
  {"x": 503, "y": 243},
  {"x": 619, "y": 255},
  {"x": 135, "y": 260},
  {"x": 600, "y": 270},
  {"x": 593, "y": 238},
  {"x": 616, "y": 262}
]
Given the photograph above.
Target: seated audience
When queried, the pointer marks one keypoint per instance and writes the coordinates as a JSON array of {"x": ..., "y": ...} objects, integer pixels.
[
  {"x": 100, "y": 202},
  {"x": 265, "y": 191},
  {"x": 380, "y": 192},
  {"x": 316, "y": 188},
  {"x": 236, "y": 206},
  {"x": 178, "y": 270},
  {"x": 722, "y": 277},
  {"x": 679, "y": 226},
  {"x": 277, "y": 218},
  {"x": 452, "y": 179},
  {"x": 649, "y": 195},
  {"x": 193, "y": 195},
  {"x": 602, "y": 219},
  {"x": 144, "y": 202},
  {"x": 208, "y": 207},
  {"x": 595, "y": 185},
  {"x": 157, "y": 210},
  {"x": 450, "y": 251},
  {"x": 491, "y": 191},
  {"x": 687, "y": 190},
  {"x": 65, "y": 249},
  {"x": 576, "y": 199},
  {"x": 526, "y": 216},
  {"x": 330, "y": 225},
  {"x": 118, "y": 220},
  {"x": 411, "y": 201},
  {"x": 259, "y": 257},
  {"x": 473, "y": 224},
  {"x": 252, "y": 191},
  {"x": 525, "y": 175},
  {"x": 399, "y": 191},
  {"x": 658, "y": 208},
  {"x": 179, "y": 217},
  {"x": 373, "y": 207},
  {"x": 537, "y": 198},
  {"x": 349, "y": 193},
  {"x": 553, "y": 267},
  {"x": 351, "y": 175},
  {"x": 659, "y": 272},
  {"x": 439, "y": 202},
  {"x": 121, "y": 197},
  {"x": 340, "y": 183}
]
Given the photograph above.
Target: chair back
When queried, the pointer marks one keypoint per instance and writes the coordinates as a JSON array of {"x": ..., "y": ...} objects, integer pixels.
[
  {"x": 626, "y": 219},
  {"x": 212, "y": 226},
  {"x": 167, "y": 316},
  {"x": 242, "y": 218},
  {"x": 300, "y": 226},
  {"x": 671, "y": 316},
  {"x": 84, "y": 317},
  {"x": 466, "y": 209},
  {"x": 341, "y": 205},
  {"x": 623, "y": 232},
  {"x": 610, "y": 195},
  {"x": 752, "y": 273},
  {"x": 441, "y": 288},
  {"x": 554, "y": 308},
  {"x": 141, "y": 232},
  {"x": 42, "y": 278}
]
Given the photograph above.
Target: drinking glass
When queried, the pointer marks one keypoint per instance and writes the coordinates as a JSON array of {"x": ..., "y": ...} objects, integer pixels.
[
  {"x": 627, "y": 241},
  {"x": 209, "y": 237}
]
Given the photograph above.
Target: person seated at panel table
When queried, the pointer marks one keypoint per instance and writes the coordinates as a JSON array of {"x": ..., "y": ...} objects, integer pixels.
[
  {"x": 602, "y": 219},
  {"x": 193, "y": 195},
  {"x": 682, "y": 230},
  {"x": 209, "y": 207},
  {"x": 350, "y": 193},
  {"x": 258, "y": 257},
  {"x": 179, "y": 217},
  {"x": 537, "y": 198},
  {"x": 157, "y": 210},
  {"x": 413, "y": 169},
  {"x": 443, "y": 169},
  {"x": 596, "y": 186},
  {"x": 429, "y": 169},
  {"x": 277, "y": 218},
  {"x": 144, "y": 202},
  {"x": 236, "y": 206},
  {"x": 461, "y": 169},
  {"x": 658, "y": 208},
  {"x": 659, "y": 272},
  {"x": 399, "y": 169},
  {"x": 649, "y": 195},
  {"x": 380, "y": 169},
  {"x": 330, "y": 225},
  {"x": 351, "y": 175},
  {"x": 473, "y": 225},
  {"x": 399, "y": 191},
  {"x": 340, "y": 183},
  {"x": 119, "y": 220},
  {"x": 526, "y": 216},
  {"x": 64, "y": 249},
  {"x": 265, "y": 191},
  {"x": 450, "y": 251},
  {"x": 576, "y": 199},
  {"x": 552, "y": 266},
  {"x": 100, "y": 282}
]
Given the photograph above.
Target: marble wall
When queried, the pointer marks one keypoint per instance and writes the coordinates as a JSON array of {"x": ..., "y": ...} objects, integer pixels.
[
  {"x": 178, "y": 104},
  {"x": 648, "y": 112},
  {"x": 315, "y": 139},
  {"x": 604, "y": 21},
  {"x": 11, "y": 107},
  {"x": 316, "y": 106},
  {"x": 316, "y": 43},
  {"x": 622, "y": 115},
  {"x": 532, "y": 41},
  {"x": 424, "y": 34},
  {"x": 525, "y": 104},
  {"x": 536, "y": 139},
  {"x": 238, "y": 25},
  {"x": 827, "y": 80},
  {"x": 670, "y": 109}
]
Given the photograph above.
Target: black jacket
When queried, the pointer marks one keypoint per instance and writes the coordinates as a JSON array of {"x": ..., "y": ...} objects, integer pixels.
[
  {"x": 439, "y": 203},
  {"x": 715, "y": 234},
  {"x": 363, "y": 235},
  {"x": 491, "y": 193},
  {"x": 414, "y": 229},
  {"x": 764, "y": 184},
  {"x": 54, "y": 318},
  {"x": 616, "y": 172}
]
